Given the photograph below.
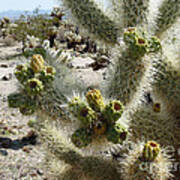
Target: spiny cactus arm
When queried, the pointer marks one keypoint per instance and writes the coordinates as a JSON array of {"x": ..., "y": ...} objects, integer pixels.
[
  {"x": 91, "y": 17},
  {"x": 134, "y": 12},
  {"x": 169, "y": 12},
  {"x": 165, "y": 82},
  {"x": 148, "y": 118},
  {"x": 130, "y": 64},
  {"x": 65, "y": 151}
]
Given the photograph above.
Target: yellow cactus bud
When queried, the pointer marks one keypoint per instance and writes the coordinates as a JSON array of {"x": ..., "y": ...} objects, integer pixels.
[
  {"x": 95, "y": 100},
  {"x": 151, "y": 151},
  {"x": 37, "y": 63}
]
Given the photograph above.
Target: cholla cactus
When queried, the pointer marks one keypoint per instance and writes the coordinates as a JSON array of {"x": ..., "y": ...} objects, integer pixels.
[
  {"x": 97, "y": 119},
  {"x": 146, "y": 161},
  {"x": 57, "y": 12},
  {"x": 141, "y": 66}
]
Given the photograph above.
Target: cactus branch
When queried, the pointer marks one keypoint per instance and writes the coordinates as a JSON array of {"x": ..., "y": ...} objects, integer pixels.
[
  {"x": 93, "y": 19},
  {"x": 169, "y": 12},
  {"x": 134, "y": 12}
]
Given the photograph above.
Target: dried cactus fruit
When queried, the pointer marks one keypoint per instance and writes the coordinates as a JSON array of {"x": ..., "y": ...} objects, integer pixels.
[
  {"x": 37, "y": 63},
  {"x": 157, "y": 107},
  {"x": 100, "y": 128}
]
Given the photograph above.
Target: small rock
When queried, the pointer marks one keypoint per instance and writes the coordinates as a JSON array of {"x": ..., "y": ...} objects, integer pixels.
[
  {"x": 3, "y": 65},
  {"x": 39, "y": 171},
  {"x": 26, "y": 149},
  {"x": 7, "y": 77},
  {"x": 4, "y": 99},
  {"x": 81, "y": 62},
  {"x": 33, "y": 174}
]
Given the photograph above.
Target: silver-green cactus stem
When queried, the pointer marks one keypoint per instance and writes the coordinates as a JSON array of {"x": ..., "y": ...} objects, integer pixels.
[
  {"x": 135, "y": 12},
  {"x": 130, "y": 64},
  {"x": 145, "y": 123},
  {"x": 169, "y": 12},
  {"x": 166, "y": 80},
  {"x": 166, "y": 86},
  {"x": 96, "y": 167},
  {"x": 93, "y": 19}
]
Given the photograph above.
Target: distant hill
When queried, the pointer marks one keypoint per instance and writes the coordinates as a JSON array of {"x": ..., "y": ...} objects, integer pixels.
[{"x": 14, "y": 14}]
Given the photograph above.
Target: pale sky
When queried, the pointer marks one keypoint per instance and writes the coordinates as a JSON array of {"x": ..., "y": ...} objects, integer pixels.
[{"x": 26, "y": 4}]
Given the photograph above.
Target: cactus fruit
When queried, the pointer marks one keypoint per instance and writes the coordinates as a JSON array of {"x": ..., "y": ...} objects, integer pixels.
[
  {"x": 34, "y": 86},
  {"x": 95, "y": 100},
  {"x": 117, "y": 133},
  {"x": 82, "y": 137},
  {"x": 37, "y": 63},
  {"x": 125, "y": 75},
  {"x": 137, "y": 44},
  {"x": 100, "y": 128},
  {"x": 83, "y": 112},
  {"x": 47, "y": 75},
  {"x": 150, "y": 151},
  {"x": 98, "y": 118},
  {"x": 25, "y": 104},
  {"x": 15, "y": 100},
  {"x": 146, "y": 161},
  {"x": 23, "y": 73},
  {"x": 113, "y": 111},
  {"x": 157, "y": 107}
]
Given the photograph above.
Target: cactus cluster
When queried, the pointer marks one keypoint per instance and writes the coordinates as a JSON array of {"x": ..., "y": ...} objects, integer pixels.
[
  {"x": 97, "y": 119},
  {"x": 142, "y": 77},
  {"x": 35, "y": 77}
]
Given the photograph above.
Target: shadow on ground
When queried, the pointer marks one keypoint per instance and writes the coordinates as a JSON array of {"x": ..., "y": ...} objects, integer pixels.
[{"x": 8, "y": 143}]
